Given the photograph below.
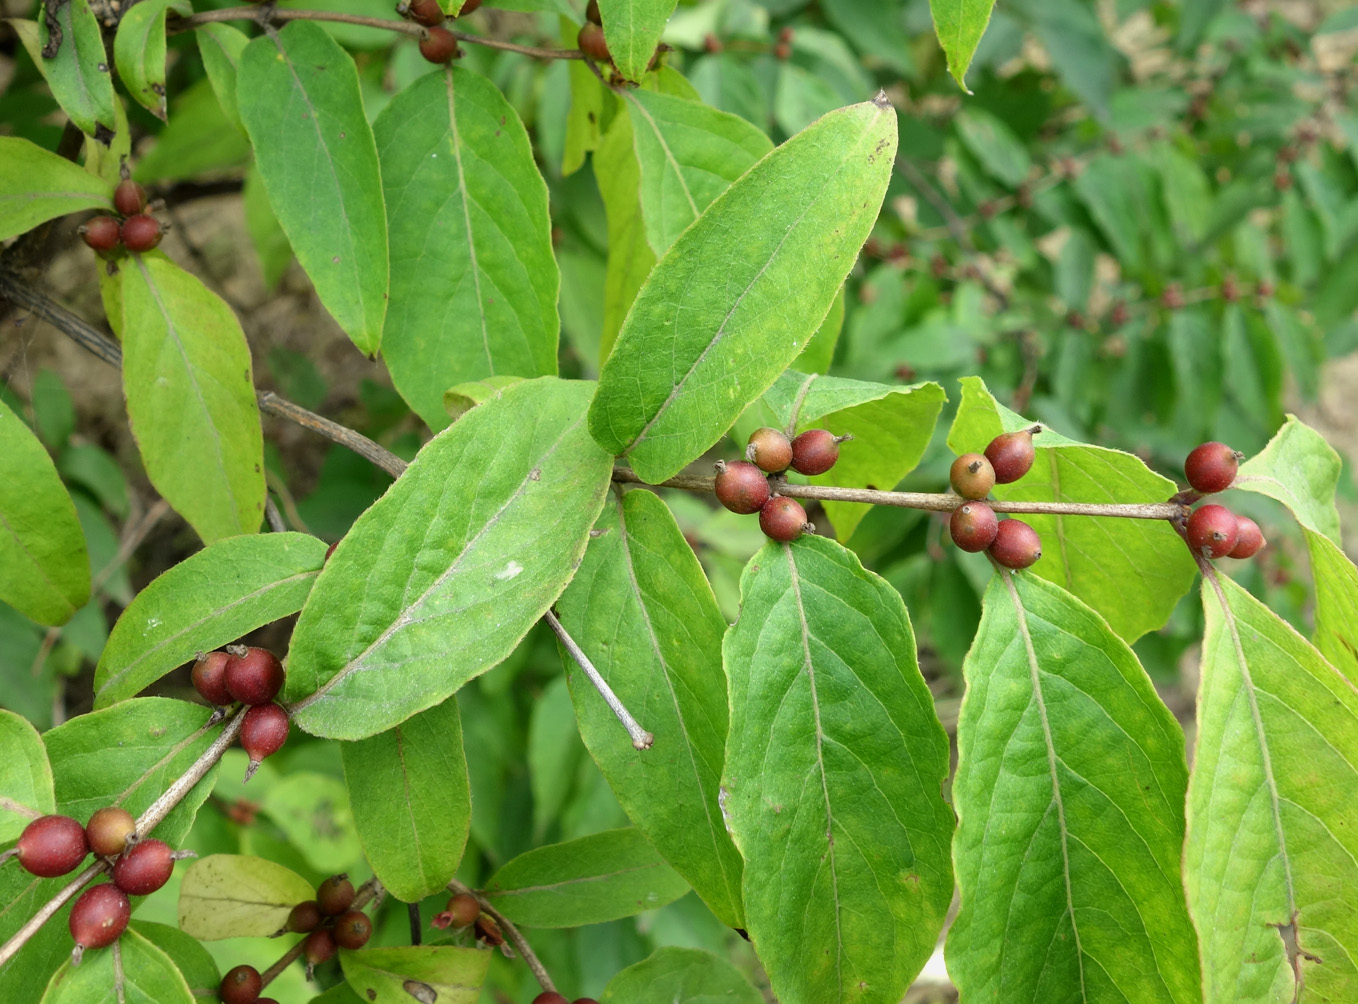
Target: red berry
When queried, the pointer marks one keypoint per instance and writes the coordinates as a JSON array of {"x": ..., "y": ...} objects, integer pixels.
[
  {"x": 129, "y": 198},
  {"x": 263, "y": 733},
  {"x": 468, "y": 7},
  {"x": 353, "y": 929},
  {"x": 592, "y": 14},
  {"x": 329, "y": 551},
  {"x": 973, "y": 526},
  {"x": 425, "y": 12},
  {"x": 103, "y": 233},
  {"x": 241, "y": 985},
  {"x": 769, "y": 450},
  {"x": 550, "y": 997},
  {"x": 254, "y": 676},
  {"x": 1212, "y": 531},
  {"x": 108, "y": 830},
  {"x": 1249, "y": 538},
  {"x": 1016, "y": 544},
  {"x": 439, "y": 45},
  {"x": 782, "y": 518},
  {"x": 464, "y": 909},
  {"x": 52, "y": 846},
  {"x": 99, "y": 918},
  {"x": 141, "y": 232},
  {"x": 305, "y": 916},
  {"x": 335, "y": 895},
  {"x": 741, "y": 486},
  {"x": 592, "y": 44},
  {"x": 319, "y": 946},
  {"x": 815, "y": 451},
  {"x": 1212, "y": 467},
  {"x": 144, "y": 868},
  {"x": 782, "y": 51},
  {"x": 1011, "y": 454},
  {"x": 972, "y": 476},
  {"x": 209, "y": 678},
  {"x": 584, "y": 1000}
]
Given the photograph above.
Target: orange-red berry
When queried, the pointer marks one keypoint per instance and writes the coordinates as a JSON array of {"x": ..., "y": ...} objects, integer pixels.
[
  {"x": 972, "y": 476},
  {"x": 769, "y": 450},
  {"x": 1212, "y": 531},
  {"x": 1016, "y": 544}
]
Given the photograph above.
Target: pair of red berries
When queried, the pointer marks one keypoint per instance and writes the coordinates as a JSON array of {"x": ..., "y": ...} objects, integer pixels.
[
  {"x": 743, "y": 485},
  {"x": 253, "y": 676},
  {"x": 974, "y": 526},
  {"x": 430, "y": 12},
  {"x": 590, "y": 40},
  {"x": 137, "y": 231},
  {"x": 552, "y": 997},
  {"x": 1212, "y": 530}
]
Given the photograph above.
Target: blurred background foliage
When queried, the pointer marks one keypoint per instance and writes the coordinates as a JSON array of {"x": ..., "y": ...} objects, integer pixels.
[{"x": 1141, "y": 228}]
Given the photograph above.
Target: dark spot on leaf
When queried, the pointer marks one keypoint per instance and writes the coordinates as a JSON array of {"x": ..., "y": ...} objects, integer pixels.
[
  {"x": 502, "y": 120},
  {"x": 535, "y": 474},
  {"x": 591, "y": 116},
  {"x": 372, "y": 994},
  {"x": 872, "y": 487},
  {"x": 335, "y": 260},
  {"x": 256, "y": 468},
  {"x": 422, "y": 992}
]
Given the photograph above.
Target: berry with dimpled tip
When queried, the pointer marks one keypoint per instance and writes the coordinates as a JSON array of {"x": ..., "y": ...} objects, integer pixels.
[
  {"x": 769, "y": 450},
  {"x": 129, "y": 198},
  {"x": 815, "y": 451},
  {"x": 109, "y": 830},
  {"x": 335, "y": 895},
  {"x": 1212, "y": 531},
  {"x": 1249, "y": 538},
  {"x": 439, "y": 45},
  {"x": 741, "y": 486},
  {"x": 1016, "y": 544},
  {"x": 463, "y": 909},
  {"x": 591, "y": 42},
  {"x": 102, "y": 233},
  {"x": 98, "y": 918},
  {"x": 353, "y": 929},
  {"x": 241, "y": 985},
  {"x": 51, "y": 846},
  {"x": 783, "y": 519},
  {"x": 1011, "y": 454},
  {"x": 1212, "y": 467},
  {"x": 971, "y": 476},
  {"x": 144, "y": 868},
  {"x": 973, "y": 526},
  {"x": 550, "y": 997},
  {"x": 209, "y": 678},
  {"x": 141, "y": 233},
  {"x": 263, "y": 732},
  {"x": 253, "y": 675}
]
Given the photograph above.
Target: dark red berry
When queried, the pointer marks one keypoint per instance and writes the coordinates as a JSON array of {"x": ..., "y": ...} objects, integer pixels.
[
  {"x": 254, "y": 676},
  {"x": 782, "y": 51},
  {"x": 815, "y": 451},
  {"x": 1016, "y": 544},
  {"x": 1249, "y": 538},
  {"x": 769, "y": 450},
  {"x": 305, "y": 916},
  {"x": 144, "y": 868},
  {"x": 241, "y": 985},
  {"x": 584, "y": 1000},
  {"x": 972, "y": 476},
  {"x": 329, "y": 551},
  {"x": 782, "y": 518},
  {"x": 319, "y": 946},
  {"x": 425, "y": 12},
  {"x": 108, "y": 830},
  {"x": 129, "y": 198},
  {"x": 1011, "y": 454},
  {"x": 439, "y": 45},
  {"x": 464, "y": 909},
  {"x": 550, "y": 997},
  {"x": 263, "y": 733},
  {"x": 468, "y": 7},
  {"x": 98, "y": 918},
  {"x": 103, "y": 233},
  {"x": 209, "y": 678},
  {"x": 592, "y": 14},
  {"x": 266, "y": 1000},
  {"x": 1212, "y": 531},
  {"x": 141, "y": 232},
  {"x": 973, "y": 526},
  {"x": 741, "y": 486},
  {"x": 592, "y": 44},
  {"x": 353, "y": 929},
  {"x": 335, "y": 895},
  {"x": 52, "y": 846},
  {"x": 1212, "y": 467}
]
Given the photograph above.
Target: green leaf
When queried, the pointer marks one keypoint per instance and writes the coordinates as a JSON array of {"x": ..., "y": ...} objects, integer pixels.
[
  {"x": 616, "y": 873},
  {"x": 209, "y": 599},
  {"x": 411, "y": 802},
  {"x": 44, "y": 569},
  {"x": 237, "y": 896},
  {"x": 25, "y": 776},
  {"x": 37, "y": 186},
  {"x": 128, "y": 755},
  {"x": 644, "y": 613},
  {"x": 24, "y": 976},
  {"x": 78, "y": 73},
  {"x": 585, "y": 117},
  {"x": 443, "y": 973},
  {"x": 959, "y": 25},
  {"x": 459, "y": 400},
  {"x": 148, "y": 977},
  {"x": 313, "y": 811},
  {"x": 1132, "y": 571},
  {"x": 139, "y": 51},
  {"x": 1069, "y": 788},
  {"x": 630, "y": 258},
  {"x": 689, "y": 153},
  {"x": 680, "y": 976},
  {"x": 1272, "y": 826},
  {"x": 199, "y": 140},
  {"x": 720, "y": 317},
  {"x": 820, "y": 350},
  {"x": 185, "y": 951},
  {"x": 632, "y": 30},
  {"x": 993, "y": 143},
  {"x": 299, "y": 99},
  {"x": 271, "y": 244},
  {"x": 455, "y": 563},
  {"x": 1336, "y": 614},
  {"x": 474, "y": 282},
  {"x": 95, "y": 469},
  {"x": 1114, "y": 191},
  {"x": 191, "y": 397},
  {"x": 831, "y": 789},
  {"x": 220, "y": 47},
  {"x": 1300, "y": 470},
  {"x": 105, "y": 159}
]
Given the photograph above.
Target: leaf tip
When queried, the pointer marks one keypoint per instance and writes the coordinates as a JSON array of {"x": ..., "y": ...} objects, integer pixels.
[{"x": 881, "y": 100}]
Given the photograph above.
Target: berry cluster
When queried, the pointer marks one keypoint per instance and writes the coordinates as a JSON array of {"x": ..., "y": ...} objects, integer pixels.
[
  {"x": 52, "y": 846},
  {"x": 1011, "y": 543},
  {"x": 743, "y": 486},
  {"x": 137, "y": 231},
  {"x": 1212, "y": 530},
  {"x": 437, "y": 43},
  {"x": 464, "y": 910},
  {"x": 252, "y": 676}
]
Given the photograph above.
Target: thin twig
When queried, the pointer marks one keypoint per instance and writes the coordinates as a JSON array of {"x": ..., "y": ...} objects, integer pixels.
[
  {"x": 641, "y": 739},
  {"x": 272, "y": 516},
  {"x": 367, "y": 891},
  {"x": 333, "y": 431},
  {"x": 35, "y": 922},
  {"x": 511, "y": 932}
]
